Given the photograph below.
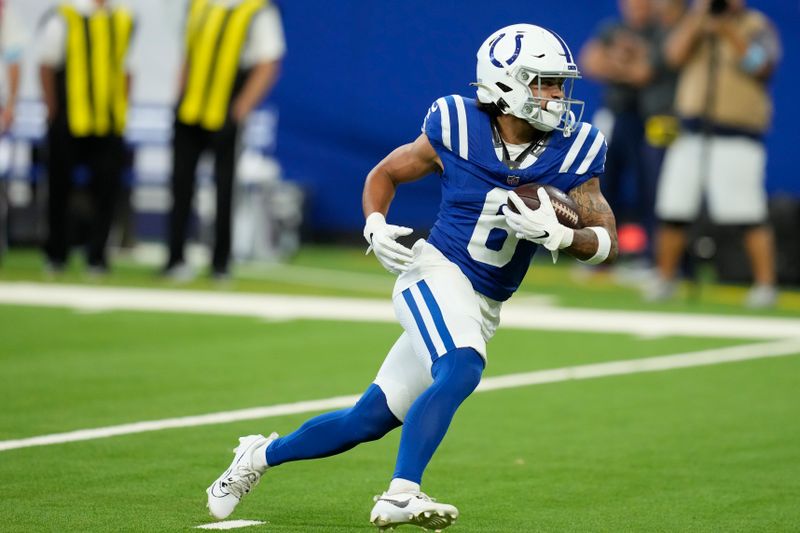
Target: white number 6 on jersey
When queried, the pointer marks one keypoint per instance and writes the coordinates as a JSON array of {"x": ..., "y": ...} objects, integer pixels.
[{"x": 490, "y": 219}]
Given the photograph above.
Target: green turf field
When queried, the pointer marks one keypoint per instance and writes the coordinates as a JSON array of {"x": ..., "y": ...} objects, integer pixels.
[{"x": 712, "y": 448}]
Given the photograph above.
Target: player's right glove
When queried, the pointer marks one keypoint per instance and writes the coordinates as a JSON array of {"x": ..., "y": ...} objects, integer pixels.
[
  {"x": 381, "y": 238},
  {"x": 538, "y": 225}
]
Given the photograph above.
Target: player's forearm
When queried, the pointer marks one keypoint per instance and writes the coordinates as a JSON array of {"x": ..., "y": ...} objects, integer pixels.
[
  {"x": 378, "y": 192},
  {"x": 594, "y": 212}
]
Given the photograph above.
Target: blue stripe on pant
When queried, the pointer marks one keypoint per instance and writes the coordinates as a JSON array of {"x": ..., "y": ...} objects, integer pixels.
[
  {"x": 412, "y": 305},
  {"x": 438, "y": 319}
]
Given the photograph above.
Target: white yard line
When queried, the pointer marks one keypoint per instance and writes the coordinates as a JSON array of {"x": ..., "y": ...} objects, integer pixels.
[
  {"x": 231, "y": 524},
  {"x": 319, "y": 277},
  {"x": 521, "y": 315},
  {"x": 612, "y": 368}
]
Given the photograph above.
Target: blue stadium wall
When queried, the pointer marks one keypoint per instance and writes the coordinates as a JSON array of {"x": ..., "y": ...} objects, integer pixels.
[{"x": 361, "y": 74}]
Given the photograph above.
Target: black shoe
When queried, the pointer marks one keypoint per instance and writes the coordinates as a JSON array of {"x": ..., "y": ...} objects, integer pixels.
[
  {"x": 221, "y": 276},
  {"x": 97, "y": 271},
  {"x": 54, "y": 268}
]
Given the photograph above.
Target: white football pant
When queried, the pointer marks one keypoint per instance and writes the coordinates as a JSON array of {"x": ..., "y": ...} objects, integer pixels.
[{"x": 439, "y": 310}]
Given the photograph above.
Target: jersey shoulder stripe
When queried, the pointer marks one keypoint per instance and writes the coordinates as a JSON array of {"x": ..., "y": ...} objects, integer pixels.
[
  {"x": 577, "y": 144},
  {"x": 598, "y": 143},
  {"x": 463, "y": 135},
  {"x": 446, "y": 124},
  {"x": 586, "y": 153}
]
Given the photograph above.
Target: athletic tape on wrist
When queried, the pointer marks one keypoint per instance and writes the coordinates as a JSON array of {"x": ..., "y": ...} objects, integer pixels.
[
  {"x": 566, "y": 240},
  {"x": 603, "y": 246}
]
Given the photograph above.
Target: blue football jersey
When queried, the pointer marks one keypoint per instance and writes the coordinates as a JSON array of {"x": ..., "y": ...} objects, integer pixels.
[{"x": 470, "y": 229}]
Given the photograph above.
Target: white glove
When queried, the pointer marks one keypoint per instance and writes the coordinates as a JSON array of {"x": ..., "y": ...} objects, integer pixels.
[
  {"x": 539, "y": 225},
  {"x": 381, "y": 238}
]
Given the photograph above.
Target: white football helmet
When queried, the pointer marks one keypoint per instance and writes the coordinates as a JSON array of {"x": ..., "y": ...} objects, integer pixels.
[{"x": 513, "y": 57}]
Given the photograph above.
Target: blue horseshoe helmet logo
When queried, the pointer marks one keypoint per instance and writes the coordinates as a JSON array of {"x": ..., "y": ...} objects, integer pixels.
[{"x": 514, "y": 56}]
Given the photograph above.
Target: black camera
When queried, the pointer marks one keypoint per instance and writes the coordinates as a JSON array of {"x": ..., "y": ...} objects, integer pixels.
[{"x": 718, "y": 7}]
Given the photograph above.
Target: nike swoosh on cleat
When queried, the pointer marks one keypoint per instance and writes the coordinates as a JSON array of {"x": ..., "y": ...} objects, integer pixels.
[
  {"x": 396, "y": 503},
  {"x": 222, "y": 493}
]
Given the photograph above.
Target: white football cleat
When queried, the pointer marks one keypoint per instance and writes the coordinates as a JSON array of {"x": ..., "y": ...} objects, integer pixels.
[
  {"x": 660, "y": 290},
  {"x": 239, "y": 479},
  {"x": 420, "y": 510},
  {"x": 761, "y": 297}
]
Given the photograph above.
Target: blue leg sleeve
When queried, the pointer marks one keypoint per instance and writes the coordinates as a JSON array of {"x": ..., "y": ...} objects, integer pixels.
[
  {"x": 336, "y": 432},
  {"x": 455, "y": 375}
]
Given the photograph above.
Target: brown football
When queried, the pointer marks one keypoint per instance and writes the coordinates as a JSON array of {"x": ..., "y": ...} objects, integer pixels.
[{"x": 565, "y": 207}]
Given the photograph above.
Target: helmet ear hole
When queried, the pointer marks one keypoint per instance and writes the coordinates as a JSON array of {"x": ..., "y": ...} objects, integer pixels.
[{"x": 503, "y": 87}]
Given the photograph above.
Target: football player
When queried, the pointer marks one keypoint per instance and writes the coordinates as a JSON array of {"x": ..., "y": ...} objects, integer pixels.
[{"x": 523, "y": 127}]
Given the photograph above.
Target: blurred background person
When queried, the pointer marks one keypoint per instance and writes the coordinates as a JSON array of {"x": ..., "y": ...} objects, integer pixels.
[
  {"x": 233, "y": 54},
  {"x": 85, "y": 84},
  {"x": 727, "y": 54},
  {"x": 12, "y": 45},
  {"x": 618, "y": 56},
  {"x": 657, "y": 110}
]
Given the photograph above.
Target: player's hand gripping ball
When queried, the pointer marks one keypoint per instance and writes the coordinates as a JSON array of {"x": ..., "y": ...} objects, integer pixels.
[{"x": 565, "y": 207}]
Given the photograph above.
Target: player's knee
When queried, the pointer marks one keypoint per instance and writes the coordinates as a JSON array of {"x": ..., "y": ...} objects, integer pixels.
[
  {"x": 459, "y": 369},
  {"x": 370, "y": 418}
]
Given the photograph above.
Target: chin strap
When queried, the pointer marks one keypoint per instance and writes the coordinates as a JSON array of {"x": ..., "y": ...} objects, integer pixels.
[{"x": 570, "y": 123}]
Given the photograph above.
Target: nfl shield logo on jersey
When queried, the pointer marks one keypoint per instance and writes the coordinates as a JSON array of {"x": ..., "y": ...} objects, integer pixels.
[{"x": 512, "y": 180}]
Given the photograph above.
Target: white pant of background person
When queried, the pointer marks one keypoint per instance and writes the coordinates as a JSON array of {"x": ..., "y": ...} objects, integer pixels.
[
  {"x": 452, "y": 315},
  {"x": 728, "y": 171}
]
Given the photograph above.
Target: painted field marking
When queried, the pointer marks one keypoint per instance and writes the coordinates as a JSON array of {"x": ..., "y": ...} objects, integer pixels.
[
  {"x": 230, "y": 524},
  {"x": 611, "y": 368},
  {"x": 520, "y": 315}
]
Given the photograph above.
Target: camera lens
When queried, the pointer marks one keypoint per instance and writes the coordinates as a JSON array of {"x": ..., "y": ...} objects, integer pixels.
[{"x": 718, "y": 7}]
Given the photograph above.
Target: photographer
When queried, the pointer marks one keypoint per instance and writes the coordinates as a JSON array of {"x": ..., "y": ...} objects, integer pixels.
[
  {"x": 726, "y": 53},
  {"x": 618, "y": 56}
]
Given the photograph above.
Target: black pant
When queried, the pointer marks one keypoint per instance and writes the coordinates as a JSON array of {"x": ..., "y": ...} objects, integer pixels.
[
  {"x": 188, "y": 144},
  {"x": 104, "y": 158},
  {"x": 622, "y": 181}
]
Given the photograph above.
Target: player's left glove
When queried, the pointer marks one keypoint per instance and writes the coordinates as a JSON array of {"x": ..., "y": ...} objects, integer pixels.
[{"x": 538, "y": 225}]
